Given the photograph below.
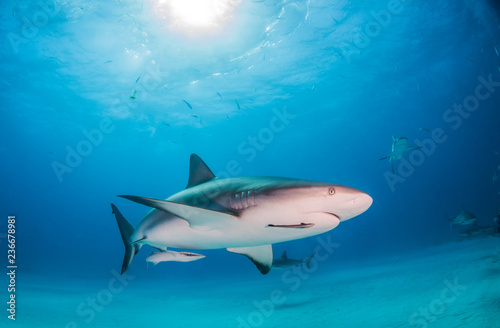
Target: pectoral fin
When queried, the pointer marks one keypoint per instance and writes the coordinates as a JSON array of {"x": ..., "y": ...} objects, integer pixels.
[
  {"x": 385, "y": 157},
  {"x": 197, "y": 217},
  {"x": 261, "y": 256}
]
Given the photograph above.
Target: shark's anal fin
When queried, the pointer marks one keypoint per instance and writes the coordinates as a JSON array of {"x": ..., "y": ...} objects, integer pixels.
[
  {"x": 195, "y": 216},
  {"x": 302, "y": 225},
  {"x": 261, "y": 256},
  {"x": 199, "y": 172}
]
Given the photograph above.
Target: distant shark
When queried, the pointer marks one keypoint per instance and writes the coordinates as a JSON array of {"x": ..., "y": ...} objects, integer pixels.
[
  {"x": 284, "y": 262},
  {"x": 399, "y": 147},
  {"x": 463, "y": 218},
  {"x": 246, "y": 215}
]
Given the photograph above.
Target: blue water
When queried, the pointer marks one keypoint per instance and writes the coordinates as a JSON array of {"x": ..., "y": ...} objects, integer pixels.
[{"x": 103, "y": 98}]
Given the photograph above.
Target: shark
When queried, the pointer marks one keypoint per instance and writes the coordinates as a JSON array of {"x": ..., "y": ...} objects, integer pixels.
[
  {"x": 285, "y": 262},
  {"x": 244, "y": 215},
  {"x": 463, "y": 218},
  {"x": 399, "y": 147}
]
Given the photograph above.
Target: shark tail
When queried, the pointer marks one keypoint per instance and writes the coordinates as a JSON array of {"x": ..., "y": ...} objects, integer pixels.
[
  {"x": 126, "y": 230},
  {"x": 308, "y": 260}
]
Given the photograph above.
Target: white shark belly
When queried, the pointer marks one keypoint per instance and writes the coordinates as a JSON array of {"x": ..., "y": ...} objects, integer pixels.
[{"x": 252, "y": 229}]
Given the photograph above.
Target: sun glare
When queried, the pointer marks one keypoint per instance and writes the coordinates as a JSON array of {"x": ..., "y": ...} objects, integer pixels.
[{"x": 197, "y": 14}]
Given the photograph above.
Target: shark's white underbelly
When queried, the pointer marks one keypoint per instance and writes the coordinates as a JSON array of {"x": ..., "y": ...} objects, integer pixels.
[{"x": 250, "y": 230}]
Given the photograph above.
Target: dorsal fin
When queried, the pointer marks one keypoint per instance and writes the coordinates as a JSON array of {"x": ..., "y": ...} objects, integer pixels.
[
  {"x": 284, "y": 256},
  {"x": 198, "y": 171}
]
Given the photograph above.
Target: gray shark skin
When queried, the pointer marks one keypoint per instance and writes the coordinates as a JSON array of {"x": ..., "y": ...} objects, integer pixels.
[
  {"x": 399, "y": 147},
  {"x": 284, "y": 262},
  {"x": 245, "y": 215}
]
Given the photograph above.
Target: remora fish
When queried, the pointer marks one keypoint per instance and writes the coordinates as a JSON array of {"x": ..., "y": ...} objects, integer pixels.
[
  {"x": 245, "y": 215},
  {"x": 166, "y": 256}
]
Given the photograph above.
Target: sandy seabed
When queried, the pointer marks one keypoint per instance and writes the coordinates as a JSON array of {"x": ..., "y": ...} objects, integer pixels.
[{"x": 452, "y": 285}]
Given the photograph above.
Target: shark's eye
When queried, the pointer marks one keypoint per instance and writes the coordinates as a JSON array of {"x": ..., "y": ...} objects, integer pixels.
[{"x": 331, "y": 191}]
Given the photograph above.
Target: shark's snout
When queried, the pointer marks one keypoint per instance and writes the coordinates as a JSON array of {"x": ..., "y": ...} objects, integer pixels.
[
  {"x": 354, "y": 203},
  {"x": 363, "y": 201}
]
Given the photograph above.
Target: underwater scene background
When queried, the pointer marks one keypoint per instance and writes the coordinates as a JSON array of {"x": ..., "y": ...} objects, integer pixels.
[{"x": 104, "y": 98}]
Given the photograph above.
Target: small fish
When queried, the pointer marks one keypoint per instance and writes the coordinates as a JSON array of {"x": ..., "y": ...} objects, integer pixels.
[
  {"x": 167, "y": 124},
  {"x": 133, "y": 95},
  {"x": 195, "y": 116},
  {"x": 188, "y": 104},
  {"x": 496, "y": 51},
  {"x": 424, "y": 129},
  {"x": 108, "y": 61},
  {"x": 138, "y": 78},
  {"x": 219, "y": 95},
  {"x": 396, "y": 68},
  {"x": 238, "y": 104}
]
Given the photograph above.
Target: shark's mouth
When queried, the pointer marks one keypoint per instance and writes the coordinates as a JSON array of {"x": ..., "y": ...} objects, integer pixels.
[
  {"x": 309, "y": 220},
  {"x": 301, "y": 225},
  {"x": 335, "y": 215}
]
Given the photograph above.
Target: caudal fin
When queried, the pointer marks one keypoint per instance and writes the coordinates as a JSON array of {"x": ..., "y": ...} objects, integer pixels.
[
  {"x": 308, "y": 260},
  {"x": 126, "y": 230}
]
